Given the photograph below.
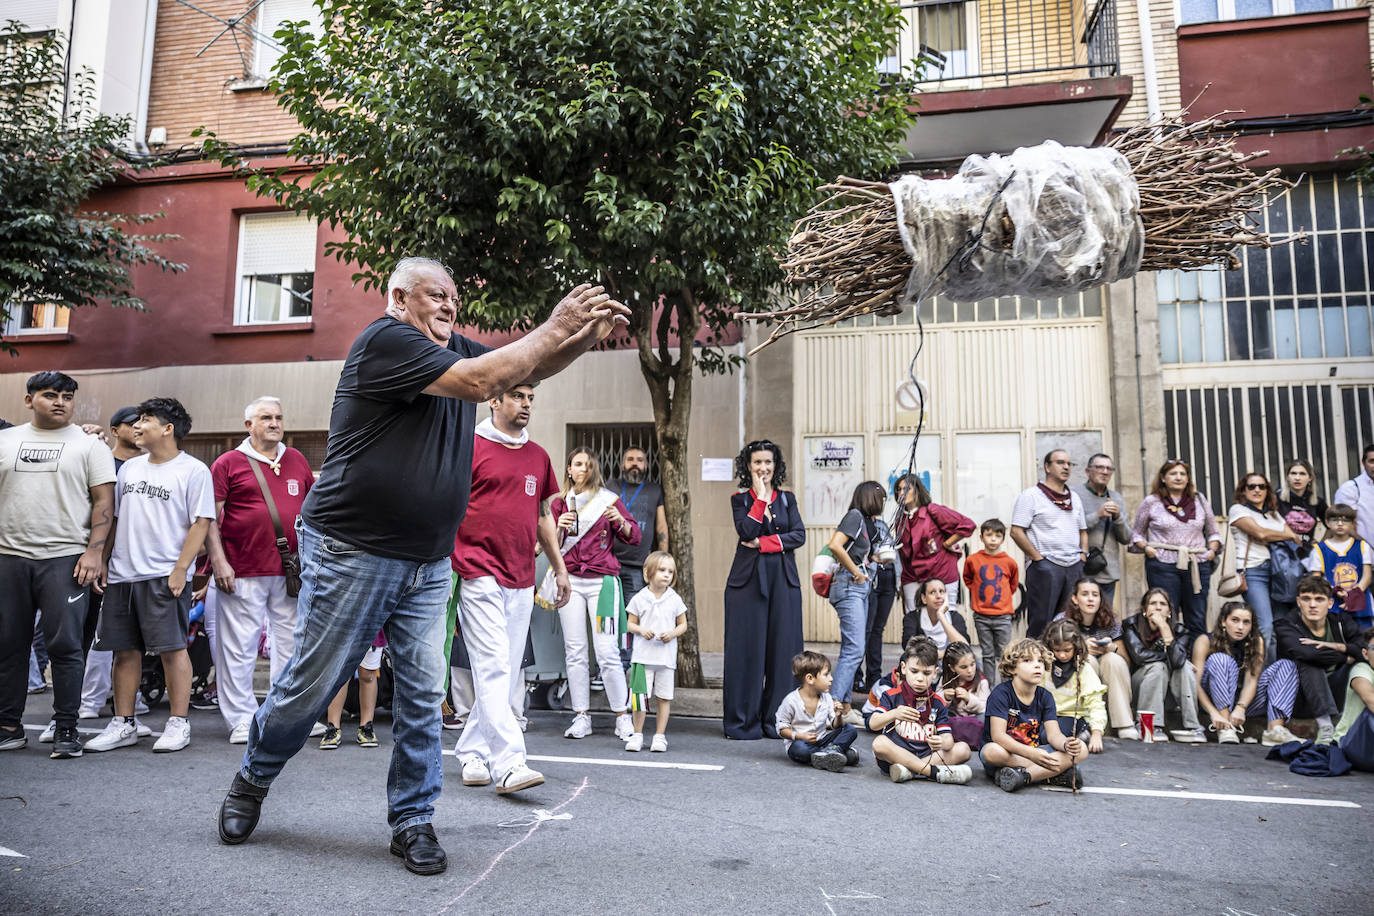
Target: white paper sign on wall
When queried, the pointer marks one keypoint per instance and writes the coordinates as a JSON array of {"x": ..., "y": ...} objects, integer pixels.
[{"x": 834, "y": 466}]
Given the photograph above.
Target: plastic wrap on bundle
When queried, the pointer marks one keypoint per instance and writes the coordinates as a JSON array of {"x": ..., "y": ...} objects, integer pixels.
[{"x": 1068, "y": 220}]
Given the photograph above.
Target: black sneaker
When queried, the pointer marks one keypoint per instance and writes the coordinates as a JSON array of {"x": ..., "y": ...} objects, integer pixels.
[
  {"x": 1069, "y": 779},
  {"x": 830, "y": 760},
  {"x": 65, "y": 743},
  {"x": 1010, "y": 779},
  {"x": 12, "y": 739},
  {"x": 207, "y": 700},
  {"x": 851, "y": 756}
]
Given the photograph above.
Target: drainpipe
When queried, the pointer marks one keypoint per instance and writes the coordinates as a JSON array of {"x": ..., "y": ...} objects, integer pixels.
[
  {"x": 743, "y": 394},
  {"x": 145, "y": 76},
  {"x": 1147, "y": 56}
]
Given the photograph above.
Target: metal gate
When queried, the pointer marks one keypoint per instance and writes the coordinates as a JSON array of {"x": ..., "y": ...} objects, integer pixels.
[{"x": 608, "y": 441}]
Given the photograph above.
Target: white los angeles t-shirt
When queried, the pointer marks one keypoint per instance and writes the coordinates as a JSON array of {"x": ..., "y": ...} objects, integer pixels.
[{"x": 156, "y": 505}]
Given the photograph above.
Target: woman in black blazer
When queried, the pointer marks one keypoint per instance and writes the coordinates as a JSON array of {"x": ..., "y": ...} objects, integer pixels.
[{"x": 763, "y": 616}]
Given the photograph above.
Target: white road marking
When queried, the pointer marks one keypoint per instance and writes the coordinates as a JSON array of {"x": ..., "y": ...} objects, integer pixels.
[
  {"x": 608, "y": 762},
  {"x": 1215, "y": 796},
  {"x": 6, "y": 851},
  {"x": 80, "y": 730}
]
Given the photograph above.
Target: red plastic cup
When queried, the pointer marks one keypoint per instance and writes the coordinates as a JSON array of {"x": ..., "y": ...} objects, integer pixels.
[{"x": 1147, "y": 726}]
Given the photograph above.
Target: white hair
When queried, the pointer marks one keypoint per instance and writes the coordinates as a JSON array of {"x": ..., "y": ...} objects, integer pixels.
[
  {"x": 407, "y": 271},
  {"x": 252, "y": 408}
]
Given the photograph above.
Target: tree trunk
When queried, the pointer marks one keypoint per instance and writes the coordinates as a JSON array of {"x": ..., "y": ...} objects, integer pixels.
[{"x": 670, "y": 388}]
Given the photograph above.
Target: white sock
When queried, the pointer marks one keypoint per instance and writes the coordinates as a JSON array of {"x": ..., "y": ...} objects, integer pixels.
[{"x": 1323, "y": 721}]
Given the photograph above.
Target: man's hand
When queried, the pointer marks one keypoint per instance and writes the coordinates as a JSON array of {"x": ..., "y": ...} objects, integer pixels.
[
  {"x": 1109, "y": 510},
  {"x": 560, "y": 581},
  {"x": 224, "y": 578},
  {"x": 177, "y": 581},
  {"x": 90, "y": 568},
  {"x": 589, "y": 313}
]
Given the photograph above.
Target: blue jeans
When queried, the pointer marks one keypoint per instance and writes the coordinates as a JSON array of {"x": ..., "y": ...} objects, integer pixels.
[
  {"x": 346, "y": 596},
  {"x": 801, "y": 751},
  {"x": 850, "y": 600},
  {"x": 1179, "y": 585},
  {"x": 1257, "y": 596}
]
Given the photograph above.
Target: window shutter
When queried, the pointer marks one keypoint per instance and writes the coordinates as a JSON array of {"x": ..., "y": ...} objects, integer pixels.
[
  {"x": 277, "y": 243},
  {"x": 36, "y": 15},
  {"x": 271, "y": 15}
]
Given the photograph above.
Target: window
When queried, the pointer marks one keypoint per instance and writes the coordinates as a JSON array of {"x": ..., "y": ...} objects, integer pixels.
[
  {"x": 1298, "y": 301},
  {"x": 940, "y": 31},
  {"x": 37, "y": 318},
  {"x": 1190, "y": 11},
  {"x": 276, "y": 268},
  {"x": 271, "y": 15}
]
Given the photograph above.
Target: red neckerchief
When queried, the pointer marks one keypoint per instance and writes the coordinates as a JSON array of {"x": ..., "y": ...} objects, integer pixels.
[
  {"x": 909, "y": 697},
  {"x": 1180, "y": 509},
  {"x": 1061, "y": 500}
]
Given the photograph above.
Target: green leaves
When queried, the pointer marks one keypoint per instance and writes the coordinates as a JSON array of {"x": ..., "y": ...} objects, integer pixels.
[
  {"x": 531, "y": 146},
  {"x": 50, "y": 165}
]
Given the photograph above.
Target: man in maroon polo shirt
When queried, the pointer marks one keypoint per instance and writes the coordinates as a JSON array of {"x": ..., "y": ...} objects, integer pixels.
[{"x": 246, "y": 563}]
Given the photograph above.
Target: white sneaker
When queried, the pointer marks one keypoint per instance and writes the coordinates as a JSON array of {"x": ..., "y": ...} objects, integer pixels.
[
  {"x": 317, "y": 729},
  {"x": 1189, "y": 735},
  {"x": 119, "y": 733},
  {"x": 239, "y": 734},
  {"x": 660, "y": 744},
  {"x": 581, "y": 726},
  {"x": 519, "y": 777},
  {"x": 143, "y": 730},
  {"x": 1161, "y": 736},
  {"x": 140, "y": 707},
  {"x": 475, "y": 772},
  {"x": 88, "y": 712},
  {"x": 46, "y": 737},
  {"x": 1228, "y": 736},
  {"x": 1130, "y": 733},
  {"x": 954, "y": 775},
  {"x": 1326, "y": 734},
  {"x": 1277, "y": 735},
  {"x": 635, "y": 743},
  {"x": 624, "y": 726},
  {"x": 899, "y": 773},
  {"x": 176, "y": 734}
]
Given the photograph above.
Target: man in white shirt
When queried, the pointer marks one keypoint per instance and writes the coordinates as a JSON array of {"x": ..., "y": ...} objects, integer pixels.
[
  {"x": 56, "y": 509},
  {"x": 1358, "y": 493},
  {"x": 1048, "y": 525},
  {"x": 164, "y": 503}
]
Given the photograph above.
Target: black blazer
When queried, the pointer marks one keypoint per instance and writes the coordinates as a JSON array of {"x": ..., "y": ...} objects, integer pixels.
[{"x": 786, "y": 524}]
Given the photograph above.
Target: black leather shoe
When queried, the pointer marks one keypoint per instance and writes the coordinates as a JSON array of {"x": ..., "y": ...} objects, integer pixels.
[
  {"x": 239, "y": 813},
  {"x": 420, "y": 849}
]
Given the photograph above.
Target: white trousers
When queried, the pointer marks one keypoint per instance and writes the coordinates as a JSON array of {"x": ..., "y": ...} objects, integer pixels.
[
  {"x": 575, "y": 617},
  {"x": 494, "y": 622},
  {"x": 239, "y": 619}
]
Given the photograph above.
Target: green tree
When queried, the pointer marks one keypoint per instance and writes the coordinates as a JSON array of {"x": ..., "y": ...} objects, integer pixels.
[
  {"x": 53, "y": 156},
  {"x": 662, "y": 148}
]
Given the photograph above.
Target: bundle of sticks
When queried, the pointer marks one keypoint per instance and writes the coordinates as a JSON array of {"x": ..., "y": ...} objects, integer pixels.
[{"x": 1198, "y": 199}]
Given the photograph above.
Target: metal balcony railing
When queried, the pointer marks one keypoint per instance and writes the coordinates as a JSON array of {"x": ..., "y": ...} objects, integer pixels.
[{"x": 986, "y": 43}]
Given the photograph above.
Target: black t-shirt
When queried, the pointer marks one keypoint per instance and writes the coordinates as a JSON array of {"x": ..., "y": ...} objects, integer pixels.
[
  {"x": 643, "y": 500},
  {"x": 398, "y": 467}
]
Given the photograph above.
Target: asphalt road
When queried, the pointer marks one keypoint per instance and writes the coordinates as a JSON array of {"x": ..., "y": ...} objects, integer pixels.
[{"x": 741, "y": 831}]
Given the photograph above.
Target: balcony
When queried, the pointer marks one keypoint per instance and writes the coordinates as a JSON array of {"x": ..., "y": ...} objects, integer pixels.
[{"x": 997, "y": 74}]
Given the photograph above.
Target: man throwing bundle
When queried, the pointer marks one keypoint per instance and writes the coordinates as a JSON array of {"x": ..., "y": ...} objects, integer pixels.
[
  {"x": 493, "y": 558},
  {"x": 377, "y": 530}
]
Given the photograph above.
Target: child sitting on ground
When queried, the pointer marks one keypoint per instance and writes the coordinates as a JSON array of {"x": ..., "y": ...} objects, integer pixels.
[
  {"x": 1347, "y": 563},
  {"x": 809, "y": 720},
  {"x": 884, "y": 684},
  {"x": 1079, "y": 696},
  {"x": 965, "y": 691},
  {"x": 367, "y": 701},
  {"x": 657, "y": 617},
  {"x": 916, "y": 739},
  {"x": 1022, "y": 742}
]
